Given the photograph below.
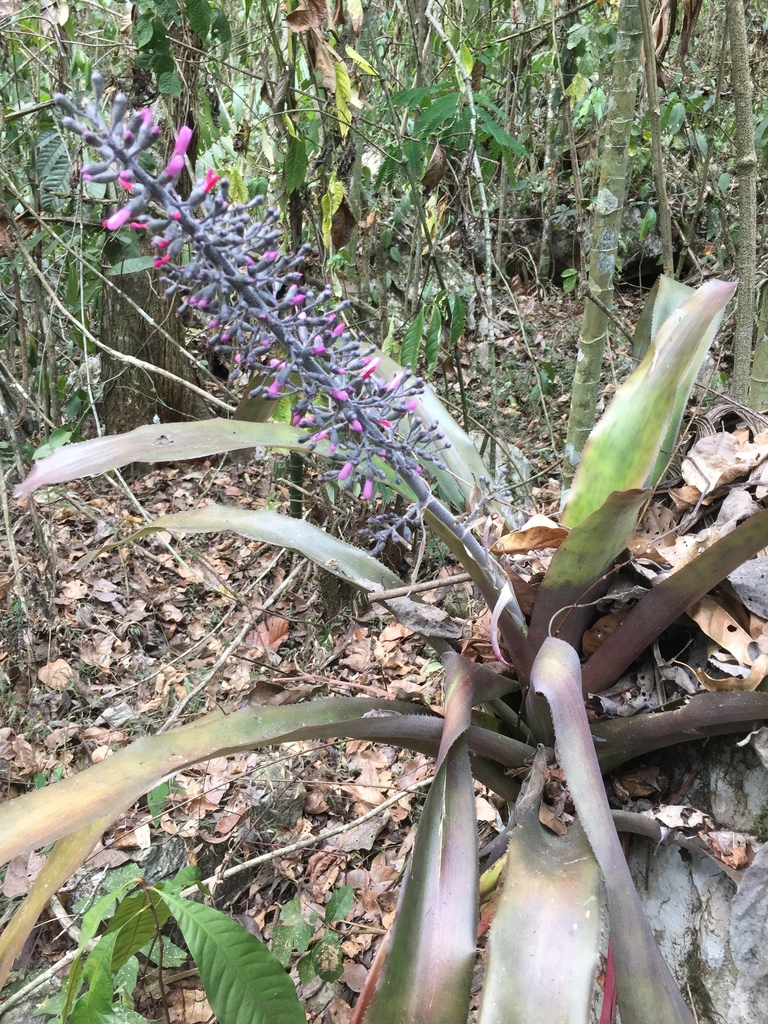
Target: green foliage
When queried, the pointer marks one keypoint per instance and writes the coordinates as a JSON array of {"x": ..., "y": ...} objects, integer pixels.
[{"x": 295, "y": 934}]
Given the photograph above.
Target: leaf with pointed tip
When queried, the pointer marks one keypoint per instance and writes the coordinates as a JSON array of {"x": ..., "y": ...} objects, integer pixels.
[
  {"x": 162, "y": 442},
  {"x": 244, "y": 982},
  {"x": 623, "y": 449},
  {"x": 662, "y": 300},
  {"x": 335, "y": 556},
  {"x": 647, "y": 991}
]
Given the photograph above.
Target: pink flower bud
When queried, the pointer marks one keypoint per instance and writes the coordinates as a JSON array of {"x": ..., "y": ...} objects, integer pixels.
[
  {"x": 161, "y": 261},
  {"x": 136, "y": 225},
  {"x": 116, "y": 221},
  {"x": 319, "y": 348},
  {"x": 183, "y": 140},
  {"x": 357, "y": 425},
  {"x": 273, "y": 388},
  {"x": 175, "y": 165},
  {"x": 386, "y": 423},
  {"x": 338, "y": 330},
  {"x": 346, "y": 470},
  {"x": 298, "y": 299},
  {"x": 340, "y": 396},
  {"x": 367, "y": 490},
  {"x": 412, "y": 404}
]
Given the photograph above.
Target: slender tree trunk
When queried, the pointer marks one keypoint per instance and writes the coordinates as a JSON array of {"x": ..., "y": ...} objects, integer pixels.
[
  {"x": 660, "y": 181},
  {"x": 746, "y": 169},
  {"x": 609, "y": 205}
]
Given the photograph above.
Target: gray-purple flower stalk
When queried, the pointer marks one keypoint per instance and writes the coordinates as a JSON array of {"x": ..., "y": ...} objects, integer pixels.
[{"x": 275, "y": 330}]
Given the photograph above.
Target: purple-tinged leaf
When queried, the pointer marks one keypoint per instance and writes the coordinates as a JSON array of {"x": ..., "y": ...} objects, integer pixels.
[
  {"x": 427, "y": 973},
  {"x": 700, "y": 716},
  {"x": 647, "y": 990},
  {"x": 164, "y": 442},
  {"x": 666, "y": 602},
  {"x": 544, "y": 942},
  {"x": 578, "y": 567}
]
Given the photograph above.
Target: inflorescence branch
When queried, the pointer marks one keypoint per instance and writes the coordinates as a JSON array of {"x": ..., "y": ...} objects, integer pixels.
[{"x": 283, "y": 336}]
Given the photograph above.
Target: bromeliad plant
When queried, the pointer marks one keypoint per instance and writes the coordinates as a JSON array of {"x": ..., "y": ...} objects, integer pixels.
[{"x": 369, "y": 421}]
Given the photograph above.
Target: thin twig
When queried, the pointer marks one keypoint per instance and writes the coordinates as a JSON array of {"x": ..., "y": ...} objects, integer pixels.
[
  {"x": 376, "y": 596},
  {"x": 302, "y": 844}
]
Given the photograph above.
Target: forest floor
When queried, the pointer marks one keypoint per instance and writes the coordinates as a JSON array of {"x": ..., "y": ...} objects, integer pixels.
[{"x": 107, "y": 640}]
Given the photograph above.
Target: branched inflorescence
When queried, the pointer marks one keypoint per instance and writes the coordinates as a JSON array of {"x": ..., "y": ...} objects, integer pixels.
[{"x": 280, "y": 334}]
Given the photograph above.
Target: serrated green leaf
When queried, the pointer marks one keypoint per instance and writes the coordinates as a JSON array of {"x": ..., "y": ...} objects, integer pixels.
[
  {"x": 411, "y": 343},
  {"x": 432, "y": 344},
  {"x": 199, "y": 14},
  {"x": 243, "y": 981},
  {"x": 169, "y": 84},
  {"x": 143, "y": 31},
  {"x": 295, "y": 167},
  {"x": 340, "y": 903}
]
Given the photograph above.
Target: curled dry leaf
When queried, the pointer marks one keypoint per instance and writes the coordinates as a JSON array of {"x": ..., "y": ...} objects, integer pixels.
[{"x": 537, "y": 534}]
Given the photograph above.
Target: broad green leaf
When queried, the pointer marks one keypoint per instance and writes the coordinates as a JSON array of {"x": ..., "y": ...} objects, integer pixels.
[
  {"x": 169, "y": 84},
  {"x": 411, "y": 344},
  {"x": 143, "y": 31},
  {"x": 550, "y": 902},
  {"x": 95, "y": 1005},
  {"x": 243, "y": 981},
  {"x": 343, "y": 94},
  {"x": 135, "y": 924},
  {"x": 327, "y": 958},
  {"x": 432, "y": 344},
  {"x": 624, "y": 447},
  {"x": 647, "y": 990},
  {"x": 199, "y": 14},
  {"x": 295, "y": 165},
  {"x": 340, "y": 903}
]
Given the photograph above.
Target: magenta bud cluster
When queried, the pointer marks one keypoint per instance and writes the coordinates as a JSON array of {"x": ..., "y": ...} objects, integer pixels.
[{"x": 353, "y": 409}]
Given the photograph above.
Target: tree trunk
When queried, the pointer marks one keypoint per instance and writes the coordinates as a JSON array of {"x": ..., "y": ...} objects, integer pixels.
[
  {"x": 609, "y": 206},
  {"x": 746, "y": 169},
  {"x": 133, "y": 396}
]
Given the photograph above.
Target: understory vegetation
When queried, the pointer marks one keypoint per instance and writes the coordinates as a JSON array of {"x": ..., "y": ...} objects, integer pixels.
[{"x": 384, "y": 504}]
